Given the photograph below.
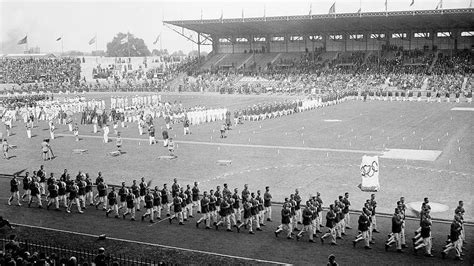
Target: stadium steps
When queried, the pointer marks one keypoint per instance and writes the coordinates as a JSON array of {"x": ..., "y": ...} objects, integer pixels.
[
  {"x": 247, "y": 60},
  {"x": 213, "y": 60},
  {"x": 262, "y": 60},
  {"x": 232, "y": 60},
  {"x": 275, "y": 58}
]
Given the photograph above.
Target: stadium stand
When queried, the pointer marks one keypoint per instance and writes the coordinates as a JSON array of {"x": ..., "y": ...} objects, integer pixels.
[
  {"x": 389, "y": 55},
  {"x": 31, "y": 69}
]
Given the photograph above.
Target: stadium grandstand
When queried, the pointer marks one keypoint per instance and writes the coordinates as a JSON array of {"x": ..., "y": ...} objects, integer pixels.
[{"x": 402, "y": 49}]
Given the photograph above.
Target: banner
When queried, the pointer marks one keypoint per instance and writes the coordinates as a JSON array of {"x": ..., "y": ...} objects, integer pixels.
[{"x": 369, "y": 169}]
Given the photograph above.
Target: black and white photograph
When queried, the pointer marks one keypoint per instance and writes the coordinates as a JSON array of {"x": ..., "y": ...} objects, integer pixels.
[{"x": 205, "y": 132}]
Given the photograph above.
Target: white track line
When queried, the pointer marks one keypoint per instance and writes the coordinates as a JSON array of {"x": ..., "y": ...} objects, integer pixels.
[
  {"x": 244, "y": 145},
  {"x": 154, "y": 245}
]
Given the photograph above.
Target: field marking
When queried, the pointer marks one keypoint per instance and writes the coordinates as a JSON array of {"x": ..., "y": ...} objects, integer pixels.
[
  {"x": 463, "y": 109},
  {"x": 154, "y": 245},
  {"x": 244, "y": 145},
  {"x": 408, "y": 154},
  {"x": 230, "y": 174}
]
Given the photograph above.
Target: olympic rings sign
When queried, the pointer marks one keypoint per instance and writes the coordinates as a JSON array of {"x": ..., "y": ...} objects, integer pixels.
[{"x": 369, "y": 170}]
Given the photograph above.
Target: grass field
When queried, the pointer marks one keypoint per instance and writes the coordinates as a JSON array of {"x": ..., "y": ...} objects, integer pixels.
[{"x": 299, "y": 151}]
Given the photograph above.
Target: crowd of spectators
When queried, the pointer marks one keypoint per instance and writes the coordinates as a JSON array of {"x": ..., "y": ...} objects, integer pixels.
[
  {"x": 30, "y": 253},
  {"x": 30, "y": 70},
  {"x": 307, "y": 73}
]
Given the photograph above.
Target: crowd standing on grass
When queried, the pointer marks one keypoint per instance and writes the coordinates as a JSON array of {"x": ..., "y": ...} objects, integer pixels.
[{"x": 249, "y": 210}]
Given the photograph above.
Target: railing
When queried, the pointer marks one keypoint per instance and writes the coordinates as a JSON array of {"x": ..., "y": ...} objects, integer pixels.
[{"x": 62, "y": 253}]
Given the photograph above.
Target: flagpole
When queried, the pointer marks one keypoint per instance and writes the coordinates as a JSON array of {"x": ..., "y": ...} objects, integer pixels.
[
  {"x": 62, "y": 46},
  {"x": 96, "y": 59},
  {"x": 128, "y": 45}
]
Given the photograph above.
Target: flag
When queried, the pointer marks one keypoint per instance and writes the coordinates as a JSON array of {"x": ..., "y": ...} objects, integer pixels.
[
  {"x": 359, "y": 11},
  {"x": 440, "y": 4},
  {"x": 58, "y": 39},
  {"x": 92, "y": 41},
  {"x": 470, "y": 4},
  {"x": 332, "y": 10},
  {"x": 386, "y": 5},
  {"x": 157, "y": 39},
  {"x": 310, "y": 9},
  {"x": 412, "y": 2},
  {"x": 24, "y": 40},
  {"x": 124, "y": 40},
  {"x": 369, "y": 169}
]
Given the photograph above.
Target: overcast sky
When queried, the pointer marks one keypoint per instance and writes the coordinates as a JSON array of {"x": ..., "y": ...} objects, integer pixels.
[{"x": 79, "y": 21}]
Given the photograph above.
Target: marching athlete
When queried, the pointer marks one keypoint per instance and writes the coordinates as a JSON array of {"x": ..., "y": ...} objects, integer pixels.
[
  {"x": 248, "y": 218},
  {"x": 148, "y": 198},
  {"x": 307, "y": 225},
  {"x": 35, "y": 193},
  {"x": 102, "y": 189},
  {"x": 166, "y": 199},
  {"x": 364, "y": 227},
  {"x": 53, "y": 189},
  {"x": 14, "y": 189},
  {"x": 122, "y": 193},
  {"x": 26, "y": 187},
  {"x": 136, "y": 192},
  {"x": 455, "y": 239},
  {"x": 345, "y": 211},
  {"x": 73, "y": 198},
  {"x": 130, "y": 206},
  {"x": 285, "y": 220},
  {"x": 89, "y": 194},
  {"x": 112, "y": 203},
  {"x": 267, "y": 203},
  {"x": 157, "y": 203},
  {"x": 205, "y": 215},
  {"x": 397, "y": 223},
  {"x": 143, "y": 191},
  {"x": 178, "y": 210},
  {"x": 330, "y": 224},
  {"x": 237, "y": 208},
  {"x": 196, "y": 200},
  {"x": 62, "y": 193}
]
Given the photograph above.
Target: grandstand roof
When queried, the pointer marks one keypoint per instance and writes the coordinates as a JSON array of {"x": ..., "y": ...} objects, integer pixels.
[{"x": 346, "y": 22}]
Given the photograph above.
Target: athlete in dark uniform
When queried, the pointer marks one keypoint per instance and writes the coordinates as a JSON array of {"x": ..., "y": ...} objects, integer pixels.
[
  {"x": 73, "y": 198},
  {"x": 14, "y": 189},
  {"x": 130, "y": 206},
  {"x": 112, "y": 203},
  {"x": 204, "y": 211},
  {"x": 148, "y": 206},
  {"x": 53, "y": 189}
]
